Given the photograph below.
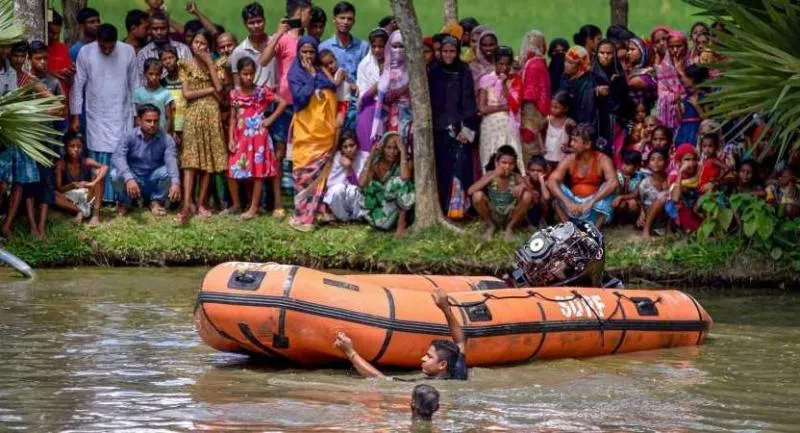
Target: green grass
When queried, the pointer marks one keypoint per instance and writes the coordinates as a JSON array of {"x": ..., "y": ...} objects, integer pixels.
[
  {"x": 141, "y": 239},
  {"x": 510, "y": 18}
]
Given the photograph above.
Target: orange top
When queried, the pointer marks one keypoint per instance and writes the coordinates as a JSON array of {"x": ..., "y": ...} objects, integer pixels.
[{"x": 589, "y": 184}]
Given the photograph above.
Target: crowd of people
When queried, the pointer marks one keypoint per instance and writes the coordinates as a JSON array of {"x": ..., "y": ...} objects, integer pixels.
[{"x": 610, "y": 128}]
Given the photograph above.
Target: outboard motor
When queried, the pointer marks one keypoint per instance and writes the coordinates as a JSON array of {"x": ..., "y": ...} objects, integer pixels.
[{"x": 570, "y": 253}]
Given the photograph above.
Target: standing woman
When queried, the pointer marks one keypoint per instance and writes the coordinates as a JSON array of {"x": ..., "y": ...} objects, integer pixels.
[
  {"x": 670, "y": 83},
  {"x": 588, "y": 37},
  {"x": 558, "y": 49},
  {"x": 472, "y": 53},
  {"x": 658, "y": 39},
  {"x": 369, "y": 74},
  {"x": 313, "y": 132},
  {"x": 579, "y": 82},
  {"x": 612, "y": 97},
  {"x": 484, "y": 57},
  {"x": 204, "y": 150},
  {"x": 454, "y": 122},
  {"x": 393, "y": 104},
  {"x": 642, "y": 85},
  {"x": 536, "y": 94}
]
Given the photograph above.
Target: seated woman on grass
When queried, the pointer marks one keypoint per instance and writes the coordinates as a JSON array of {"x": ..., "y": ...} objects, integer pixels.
[
  {"x": 684, "y": 190},
  {"x": 79, "y": 181},
  {"x": 502, "y": 196},
  {"x": 592, "y": 181},
  {"x": 387, "y": 185}
]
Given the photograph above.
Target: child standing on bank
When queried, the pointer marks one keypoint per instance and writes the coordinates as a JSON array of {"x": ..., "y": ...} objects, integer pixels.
[
  {"x": 79, "y": 181},
  {"x": 626, "y": 203},
  {"x": 154, "y": 93},
  {"x": 250, "y": 144},
  {"x": 172, "y": 82},
  {"x": 344, "y": 87},
  {"x": 558, "y": 126}
]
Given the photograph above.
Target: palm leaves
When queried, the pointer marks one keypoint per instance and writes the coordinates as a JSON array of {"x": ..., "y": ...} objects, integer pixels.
[
  {"x": 24, "y": 115},
  {"x": 761, "y": 72}
]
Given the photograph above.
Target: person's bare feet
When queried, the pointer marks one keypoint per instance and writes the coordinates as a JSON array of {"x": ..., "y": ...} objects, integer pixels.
[
  {"x": 400, "y": 232},
  {"x": 78, "y": 218},
  {"x": 94, "y": 221},
  {"x": 490, "y": 229},
  {"x": 7, "y": 232},
  {"x": 35, "y": 233},
  {"x": 233, "y": 210},
  {"x": 509, "y": 236},
  {"x": 157, "y": 210},
  {"x": 123, "y": 210}
]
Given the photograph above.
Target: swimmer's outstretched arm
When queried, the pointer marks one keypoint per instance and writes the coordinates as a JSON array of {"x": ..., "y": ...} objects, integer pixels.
[
  {"x": 456, "y": 331},
  {"x": 364, "y": 368}
]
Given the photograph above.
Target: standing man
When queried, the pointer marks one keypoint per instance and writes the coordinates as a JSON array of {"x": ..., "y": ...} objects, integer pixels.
[
  {"x": 347, "y": 48},
  {"x": 159, "y": 32},
  {"x": 137, "y": 23},
  {"x": 316, "y": 28},
  {"x": 256, "y": 42},
  {"x": 281, "y": 51},
  {"x": 105, "y": 73},
  {"x": 88, "y": 23}
]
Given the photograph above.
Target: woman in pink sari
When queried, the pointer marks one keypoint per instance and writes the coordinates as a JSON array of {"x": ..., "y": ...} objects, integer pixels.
[
  {"x": 670, "y": 85},
  {"x": 484, "y": 58}
]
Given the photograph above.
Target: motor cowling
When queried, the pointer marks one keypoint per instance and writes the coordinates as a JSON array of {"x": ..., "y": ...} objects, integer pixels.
[{"x": 570, "y": 253}]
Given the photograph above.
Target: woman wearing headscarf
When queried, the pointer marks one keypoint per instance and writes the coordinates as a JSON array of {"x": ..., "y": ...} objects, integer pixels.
[
  {"x": 313, "y": 132},
  {"x": 670, "y": 85},
  {"x": 579, "y": 82},
  {"x": 393, "y": 103},
  {"x": 454, "y": 123},
  {"x": 558, "y": 49},
  {"x": 611, "y": 88},
  {"x": 469, "y": 55},
  {"x": 484, "y": 56},
  {"x": 369, "y": 74},
  {"x": 536, "y": 93},
  {"x": 658, "y": 39},
  {"x": 641, "y": 75}
]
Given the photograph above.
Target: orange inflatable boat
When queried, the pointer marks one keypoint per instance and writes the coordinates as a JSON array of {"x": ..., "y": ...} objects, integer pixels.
[{"x": 292, "y": 314}]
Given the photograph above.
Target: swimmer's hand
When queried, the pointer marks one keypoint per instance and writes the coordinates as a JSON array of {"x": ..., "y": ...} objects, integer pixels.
[
  {"x": 344, "y": 343},
  {"x": 440, "y": 298}
]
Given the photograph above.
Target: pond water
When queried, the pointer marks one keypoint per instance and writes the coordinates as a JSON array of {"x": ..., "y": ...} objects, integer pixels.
[{"x": 114, "y": 349}]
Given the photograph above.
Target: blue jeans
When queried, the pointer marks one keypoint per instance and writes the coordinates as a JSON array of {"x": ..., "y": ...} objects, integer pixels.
[{"x": 154, "y": 187}]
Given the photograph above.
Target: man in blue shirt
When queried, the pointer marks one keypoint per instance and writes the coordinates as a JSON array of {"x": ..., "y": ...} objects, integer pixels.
[
  {"x": 88, "y": 23},
  {"x": 348, "y": 50},
  {"x": 146, "y": 164}
]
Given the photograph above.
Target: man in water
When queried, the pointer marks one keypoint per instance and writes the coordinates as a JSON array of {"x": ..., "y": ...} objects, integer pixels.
[{"x": 444, "y": 359}]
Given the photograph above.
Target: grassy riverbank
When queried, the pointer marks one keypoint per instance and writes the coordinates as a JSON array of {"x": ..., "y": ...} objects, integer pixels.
[{"x": 142, "y": 240}]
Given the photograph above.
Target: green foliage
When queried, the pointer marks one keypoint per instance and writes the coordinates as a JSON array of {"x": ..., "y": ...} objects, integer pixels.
[
  {"x": 24, "y": 118},
  {"x": 761, "y": 71},
  {"x": 759, "y": 226}
]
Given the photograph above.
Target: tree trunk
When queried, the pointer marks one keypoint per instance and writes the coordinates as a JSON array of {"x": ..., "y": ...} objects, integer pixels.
[
  {"x": 427, "y": 211},
  {"x": 71, "y": 30},
  {"x": 619, "y": 12},
  {"x": 450, "y": 11},
  {"x": 30, "y": 15}
]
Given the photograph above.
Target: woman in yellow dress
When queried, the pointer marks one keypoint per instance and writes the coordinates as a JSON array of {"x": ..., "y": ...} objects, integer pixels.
[
  {"x": 203, "y": 147},
  {"x": 313, "y": 133}
]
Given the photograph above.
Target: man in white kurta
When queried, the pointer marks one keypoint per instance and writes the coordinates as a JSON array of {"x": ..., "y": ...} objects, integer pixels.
[{"x": 105, "y": 78}]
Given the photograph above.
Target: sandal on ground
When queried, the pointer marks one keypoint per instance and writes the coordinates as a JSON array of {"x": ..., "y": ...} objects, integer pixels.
[
  {"x": 303, "y": 228},
  {"x": 279, "y": 213},
  {"x": 204, "y": 213},
  {"x": 247, "y": 216},
  {"x": 231, "y": 211},
  {"x": 157, "y": 210}
]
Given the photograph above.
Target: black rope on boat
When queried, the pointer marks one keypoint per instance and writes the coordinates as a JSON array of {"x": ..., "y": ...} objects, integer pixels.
[
  {"x": 530, "y": 294},
  {"x": 596, "y": 316}
]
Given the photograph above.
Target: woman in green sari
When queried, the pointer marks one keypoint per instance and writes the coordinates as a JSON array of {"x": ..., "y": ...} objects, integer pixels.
[{"x": 387, "y": 185}]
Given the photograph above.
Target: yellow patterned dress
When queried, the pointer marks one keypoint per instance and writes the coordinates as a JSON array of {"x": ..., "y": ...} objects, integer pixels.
[{"x": 203, "y": 145}]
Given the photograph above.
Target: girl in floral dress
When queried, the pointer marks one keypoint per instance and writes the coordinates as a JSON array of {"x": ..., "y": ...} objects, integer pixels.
[{"x": 250, "y": 144}]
